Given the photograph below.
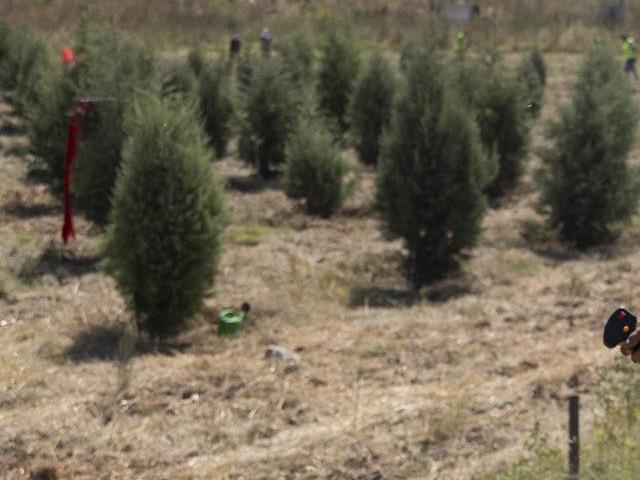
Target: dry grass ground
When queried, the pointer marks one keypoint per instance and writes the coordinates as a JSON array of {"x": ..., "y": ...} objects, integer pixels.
[{"x": 389, "y": 386}]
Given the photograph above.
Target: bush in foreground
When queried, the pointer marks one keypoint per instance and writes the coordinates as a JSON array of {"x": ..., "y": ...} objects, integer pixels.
[
  {"x": 315, "y": 169},
  {"x": 371, "y": 108},
  {"x": 432, "y": 172},
  {"x": 589, "y": 187},
  {"x": 164, "y": 238}
]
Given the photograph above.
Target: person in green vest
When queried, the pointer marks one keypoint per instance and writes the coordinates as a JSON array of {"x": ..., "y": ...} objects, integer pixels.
[
  {"x": 631, "y": 54},
  {"x": 461, "y": 44}
]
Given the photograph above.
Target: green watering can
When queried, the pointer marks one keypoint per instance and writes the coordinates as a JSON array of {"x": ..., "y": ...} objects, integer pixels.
[{"x": 230, "y": 321}]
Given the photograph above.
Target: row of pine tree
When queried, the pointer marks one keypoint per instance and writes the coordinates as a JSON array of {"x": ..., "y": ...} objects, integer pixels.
[{"x": 445, "y": 136}]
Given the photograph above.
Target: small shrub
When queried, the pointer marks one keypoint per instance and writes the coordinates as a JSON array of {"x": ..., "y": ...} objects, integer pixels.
[
  {"x": 315, "y": 169},
  {"x": 270, "y": 110},
  {"x": 532, "y": 78},
  {"x": 164, "y": 238},
  {"x": 217, "y": 106},
  {"x": 588, "y": 185},
  {"x": 371, "y": 108},
  {"x": 339, "y": 66},
  {"x": 432, "y": 171}
]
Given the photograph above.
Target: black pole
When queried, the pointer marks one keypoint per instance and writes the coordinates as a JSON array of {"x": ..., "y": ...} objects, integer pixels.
[{"x": 574, "y": 437}]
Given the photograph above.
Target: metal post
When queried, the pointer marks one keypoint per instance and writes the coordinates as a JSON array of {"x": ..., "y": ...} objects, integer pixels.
[{"x": 574, "y": 437}]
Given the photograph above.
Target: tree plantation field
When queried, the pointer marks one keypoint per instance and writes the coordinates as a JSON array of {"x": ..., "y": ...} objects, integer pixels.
[
  {"x": 386, "y": 383},
  {"x": 515, "y": 24}
]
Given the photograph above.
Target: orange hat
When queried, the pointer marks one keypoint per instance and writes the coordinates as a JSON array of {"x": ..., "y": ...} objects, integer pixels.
[{"x": 68, "y": 57}]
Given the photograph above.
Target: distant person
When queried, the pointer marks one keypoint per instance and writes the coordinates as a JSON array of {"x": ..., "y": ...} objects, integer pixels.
[
  {"x": 265, "y": 41},
  {"x": 235, "y": 44},
  {"x": 630, "y": 50},
  {"x": 461, "y": 44}
]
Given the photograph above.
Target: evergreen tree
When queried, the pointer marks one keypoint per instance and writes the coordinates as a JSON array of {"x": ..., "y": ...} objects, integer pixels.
[
  {"x": 197, "y": 60},
  {"x": 298, "y": 57},
  {"x": 588, "y": 185},
  {"x": 371, "y": 108},
  {"x": 339, "y": 66},
  {"x": 109, "y": 70},
  {"x": 47, "y": 121},
  {"x": 36, "y": 63},
  {"x": 432, "y": 172},
  {"x": 164, "y": 238},
  {"x": 270, "y": 110},
  {"x": 217, "y": 106},
  {"x": 501, "y": 117},
  {"x": 315, "y": 169},
  {"x": 496, "y": 101},
  {"x": 532, "y": 77}
]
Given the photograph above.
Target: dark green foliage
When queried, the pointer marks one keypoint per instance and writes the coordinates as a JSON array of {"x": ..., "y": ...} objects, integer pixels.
[
  {"x": 270, "y": 110},
  {"x": 432, "y": 172},
  {"x": 183, "y": 77},
  {"x": 5, "y": 43},
  {"x": 532, "y": 78},
  {"x": 371, "y": 108},
  {"x": 164, "y": 239},
  {"x": 47, "y": 122},
  {"x": 298, "y": 56},
  {"x": 110, "y": 70},
  {"x": 217, "y": 106},
  {"x": 35, "y": 64},
  {"x": 501, "y": 115},
  {"x": 537, "y": 60},
  {"x": 180, "y": 79},
  {"x": 197, "y": 60},
  {"x": 338, "y": 74},
  {"x": 315, "y": 169},
  {"x": 588, "y": 185},
  {"x": 244, "y": 70}
]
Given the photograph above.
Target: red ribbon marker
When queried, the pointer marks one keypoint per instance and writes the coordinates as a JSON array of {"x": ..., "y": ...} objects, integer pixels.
[{"x": 82, "y": 106}]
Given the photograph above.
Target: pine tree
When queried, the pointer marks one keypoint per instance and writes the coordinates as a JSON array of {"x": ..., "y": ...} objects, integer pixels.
[
  {"x": 164, "y": 238},
  {"x": 532, "y": 76},
  {"x": 298, "y": 57},
  {"x": 339, "y": 65},
  {"x": 270, "y": 110},
  {"x": 432, "y": 172},
  {"x": 371, "y": 108},
  {"x": 217, "y": 106},
  {"x": 47, "y": 121},
  {"x": 501, "y": 116},
  {"x": 315, "y": 169},
  {"x": 109, "y": 70},
  {"x": 588, "y": 185}
]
